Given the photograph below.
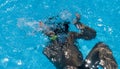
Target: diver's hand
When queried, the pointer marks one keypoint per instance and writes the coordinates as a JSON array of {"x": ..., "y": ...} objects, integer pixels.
[
  {"x": 77, "y": 16},
  {"x": 41, "y": 24},
  {"x": 76, "y": 20}
]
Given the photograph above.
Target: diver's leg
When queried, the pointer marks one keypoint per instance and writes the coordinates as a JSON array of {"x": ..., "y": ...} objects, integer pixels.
[{"x": 101, "y": 55}]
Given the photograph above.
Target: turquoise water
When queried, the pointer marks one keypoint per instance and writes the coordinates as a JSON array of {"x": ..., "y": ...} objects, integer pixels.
[{"x": 21, "y": 47}]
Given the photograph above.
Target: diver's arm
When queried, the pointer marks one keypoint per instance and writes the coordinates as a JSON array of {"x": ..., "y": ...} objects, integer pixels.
[{"x": 86, "y": 33}]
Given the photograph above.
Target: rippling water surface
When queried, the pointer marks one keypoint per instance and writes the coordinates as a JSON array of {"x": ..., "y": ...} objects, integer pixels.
[{"x": 21, "y": 47}]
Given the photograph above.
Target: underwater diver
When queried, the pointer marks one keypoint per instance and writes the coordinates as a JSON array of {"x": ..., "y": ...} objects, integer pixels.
[{"x": 64, "y": 54}]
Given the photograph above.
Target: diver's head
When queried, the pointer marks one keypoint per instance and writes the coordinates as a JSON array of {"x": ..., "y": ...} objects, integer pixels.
[{"x": 62, "y": 28}]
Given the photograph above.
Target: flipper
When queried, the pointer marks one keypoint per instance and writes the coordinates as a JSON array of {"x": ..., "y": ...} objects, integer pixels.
[{"x": 101, "y": 55}]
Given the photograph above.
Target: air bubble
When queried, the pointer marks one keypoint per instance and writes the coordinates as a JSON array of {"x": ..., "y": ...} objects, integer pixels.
[
  {"x": 19, "y": 62},
  {"x": 5, "y": 60},
  {"x": 100, "y": 20},
  {"x": 100, "y": 25}
]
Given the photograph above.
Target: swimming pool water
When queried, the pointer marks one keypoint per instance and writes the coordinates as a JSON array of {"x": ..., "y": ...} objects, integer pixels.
[{"x": 21, "y": 46}]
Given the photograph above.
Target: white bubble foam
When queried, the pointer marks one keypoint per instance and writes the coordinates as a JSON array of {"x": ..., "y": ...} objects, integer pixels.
[
  {"x": 23, "y": 22},
  {"x": 101, "y": 62},
  {"x": 86, "y": 65},
  {"x": 100, "y": 25},
  {"x": 43, "y": 46},
  {"x": 110, "y": 29},
  {"x": 100, "y": 20},
  {"x": 19, "y": 62},
  {"x": 5, "y": 60},
  {"x": 88, "y": 61},
  {"x": 105, "y": 29},
  {"x": 104, "y": 67},
  {"x": 45, "y": 38},
  {"x": 65, "y": 15},
  {"x": 93, "y": 66},
  {"x": 5, "y": 3}
]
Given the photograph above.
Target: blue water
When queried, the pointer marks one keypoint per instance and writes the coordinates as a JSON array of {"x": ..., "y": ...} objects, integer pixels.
[{"x": 21, "y": 47}]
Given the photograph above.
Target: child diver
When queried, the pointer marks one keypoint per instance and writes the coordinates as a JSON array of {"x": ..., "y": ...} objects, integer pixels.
[{"x": 66, "y": 55}]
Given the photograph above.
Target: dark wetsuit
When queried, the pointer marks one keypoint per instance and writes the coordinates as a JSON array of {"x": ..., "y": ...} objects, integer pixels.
[
  {"x": 61, "y": 32},
  {"x": 64, "y": 54}
]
